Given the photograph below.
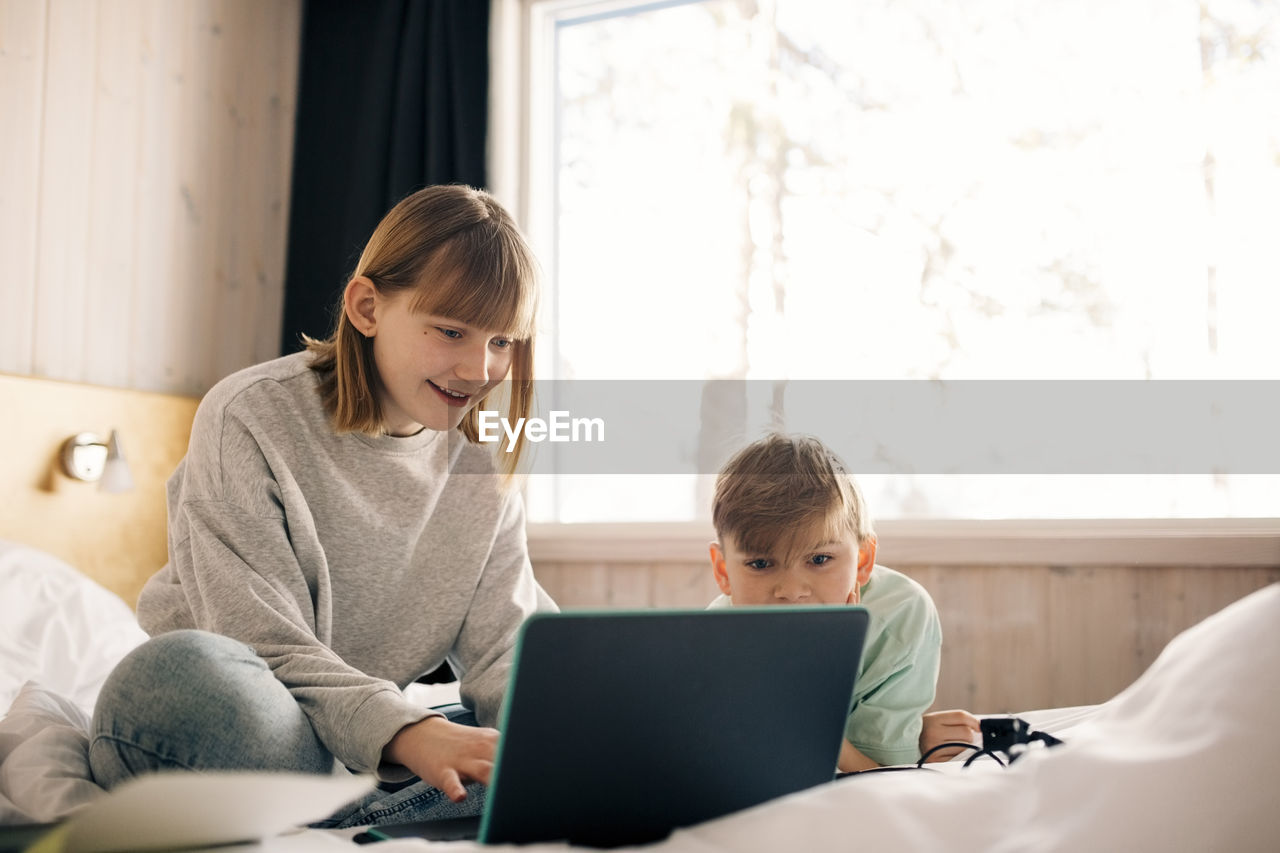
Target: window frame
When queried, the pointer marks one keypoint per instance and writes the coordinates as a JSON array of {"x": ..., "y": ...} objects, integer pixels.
[
  {"x": 521, "y": 135},
  {"x": 1107, "y": 542}
]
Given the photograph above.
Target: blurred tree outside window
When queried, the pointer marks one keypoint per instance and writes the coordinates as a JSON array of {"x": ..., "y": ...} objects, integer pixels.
[{"x": 916, "y": 189}]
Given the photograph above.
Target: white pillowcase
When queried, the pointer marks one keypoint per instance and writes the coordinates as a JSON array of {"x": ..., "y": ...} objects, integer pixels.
[
  {"x": 44, "y": 758},
  {"x": 58, "y": 627}
]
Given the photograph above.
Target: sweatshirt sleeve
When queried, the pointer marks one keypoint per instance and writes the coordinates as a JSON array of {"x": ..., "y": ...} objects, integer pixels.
[
  {"x": 506, "y": 595},
  {"x": 234, "y": 570}
]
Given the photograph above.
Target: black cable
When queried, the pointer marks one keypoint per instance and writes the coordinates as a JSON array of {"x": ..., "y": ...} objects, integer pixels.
[
  {"x": 1045, "y": 738},
  {"x": 892, "y": 769},
  {"x": 1020, "y": 735},
  {"x": 1019, "y": 749},
  {"x": 949, "y": 743},
  {"x": 979, "y": 754}
]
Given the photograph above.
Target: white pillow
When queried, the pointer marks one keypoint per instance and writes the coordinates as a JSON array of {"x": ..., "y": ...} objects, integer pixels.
[
  {"x": 58, "y": 627},
  {"x": 44, "y": 759}
]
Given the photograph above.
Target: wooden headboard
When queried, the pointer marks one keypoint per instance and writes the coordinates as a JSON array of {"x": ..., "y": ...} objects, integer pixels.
[{"x": 117, "y": 539}]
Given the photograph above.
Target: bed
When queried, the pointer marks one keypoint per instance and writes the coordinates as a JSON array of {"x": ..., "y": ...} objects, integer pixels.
[
  {"x": 1188, "y": 757},
  {"x": 62, "y": 628}
]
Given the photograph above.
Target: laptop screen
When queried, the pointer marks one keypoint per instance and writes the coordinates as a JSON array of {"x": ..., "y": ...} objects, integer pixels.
[{"x": 621, "y": 726}]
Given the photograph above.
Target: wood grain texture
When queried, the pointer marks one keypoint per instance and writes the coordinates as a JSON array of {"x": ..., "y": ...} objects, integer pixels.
[
  {"x": 66, "y": 142},
  {"x": 117, "y": 539},
  {"x": 144, "y": 183},
  {"x": 111, "y": 295},
  {"x": 22, "y": 37},
  {"x": 1016, "y": 638}
]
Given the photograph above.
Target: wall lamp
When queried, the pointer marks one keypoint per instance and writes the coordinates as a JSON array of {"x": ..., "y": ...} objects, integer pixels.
[{"x": 85, "y": 456}]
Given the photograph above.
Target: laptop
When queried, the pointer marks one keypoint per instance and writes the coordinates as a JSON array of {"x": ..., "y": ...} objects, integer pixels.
[{"x": 619, "y": 727}]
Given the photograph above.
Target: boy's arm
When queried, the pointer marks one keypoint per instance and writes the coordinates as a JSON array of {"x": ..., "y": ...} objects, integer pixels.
[
  {"x": 886, "y": 721},
  {"x": 939, "y": 727},
  {"x": 853, "y": 761},
  {"x": 955, "y": 726}
]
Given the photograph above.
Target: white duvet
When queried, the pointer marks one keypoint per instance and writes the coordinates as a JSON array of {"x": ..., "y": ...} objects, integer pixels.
[
  {"x": 1187, "y": 758},
  {"x": 58, "y": 627},
  {"x": 61, "y": 635}
]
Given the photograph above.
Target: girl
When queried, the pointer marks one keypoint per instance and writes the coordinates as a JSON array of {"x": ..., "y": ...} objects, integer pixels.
[{"x": 335, "y": 532}]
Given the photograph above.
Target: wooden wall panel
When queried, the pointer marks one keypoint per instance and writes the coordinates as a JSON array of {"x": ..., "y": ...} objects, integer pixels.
[
  {"x": 163, "y": 213},
  {"x": 22, "y": 38},
  {"x": 1016, "y": 638},
  {"x": 144, "y": 183},
  {"x": 683, "y": 585},
  {"x": 111, "y": 292},
  {"x": 251, "y": 306},
  {"x": 118, "y": 540},
  {"x": 205, "y": 137},
  {"x": 66, "y": 142}
]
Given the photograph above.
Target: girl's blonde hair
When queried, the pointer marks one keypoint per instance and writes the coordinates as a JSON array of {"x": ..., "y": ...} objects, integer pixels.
[
  {"x": 466, "y": 259},
  {"x": 779, "y": 488}
]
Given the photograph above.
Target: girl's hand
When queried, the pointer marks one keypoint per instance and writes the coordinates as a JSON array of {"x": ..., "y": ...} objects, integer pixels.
[
  {"x": 445, "y": 755},
  {"x": 948, "y": 727}
]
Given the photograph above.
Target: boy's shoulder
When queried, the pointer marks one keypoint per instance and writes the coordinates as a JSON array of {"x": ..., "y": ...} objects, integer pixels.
[
  {"x": 889, "y": 584},
  {"x": 897, "y": 600}
]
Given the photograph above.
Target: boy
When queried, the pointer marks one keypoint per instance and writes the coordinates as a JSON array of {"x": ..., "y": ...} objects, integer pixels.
[{"x": 792, "y": 528}]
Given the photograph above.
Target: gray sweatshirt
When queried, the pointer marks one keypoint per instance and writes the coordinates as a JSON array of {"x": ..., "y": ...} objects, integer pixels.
[{"x": 352, "y": 565}]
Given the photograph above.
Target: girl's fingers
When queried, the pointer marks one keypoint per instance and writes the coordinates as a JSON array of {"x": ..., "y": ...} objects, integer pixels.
[
  {"x": 452, "y": 785},
  {"x": 477, "y": 770}
]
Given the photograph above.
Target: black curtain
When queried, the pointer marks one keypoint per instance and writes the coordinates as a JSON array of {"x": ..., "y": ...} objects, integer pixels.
[{"x": 392, "y": 96}]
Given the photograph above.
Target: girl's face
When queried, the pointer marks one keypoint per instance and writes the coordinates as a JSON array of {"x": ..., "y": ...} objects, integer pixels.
[{"x": 431, "y": 370}]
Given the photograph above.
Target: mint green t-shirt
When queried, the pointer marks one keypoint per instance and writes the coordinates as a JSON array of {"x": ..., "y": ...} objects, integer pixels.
[{"x": 898, "y": 675}]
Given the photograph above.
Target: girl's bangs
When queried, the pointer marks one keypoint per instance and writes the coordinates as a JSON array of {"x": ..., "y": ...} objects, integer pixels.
[{"x": 492, "y": 286}]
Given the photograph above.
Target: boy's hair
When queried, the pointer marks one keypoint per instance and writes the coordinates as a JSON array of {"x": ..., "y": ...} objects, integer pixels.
[
  {"x": 777, "y": 488},
  {"x": 467, "y": 260}
]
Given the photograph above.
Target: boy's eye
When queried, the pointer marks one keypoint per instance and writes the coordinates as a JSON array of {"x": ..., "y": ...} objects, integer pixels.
[
  {"x": 819, "y": 559},
  {"x": 759, "y": 564},
  {"x": 450, "y": 333}
]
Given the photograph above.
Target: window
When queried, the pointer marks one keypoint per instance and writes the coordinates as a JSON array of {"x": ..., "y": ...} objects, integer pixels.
[{"x": 806, "y": 191}]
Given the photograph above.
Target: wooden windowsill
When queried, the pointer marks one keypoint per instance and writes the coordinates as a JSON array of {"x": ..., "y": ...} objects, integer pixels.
[{"x": 1073, "y": 542}]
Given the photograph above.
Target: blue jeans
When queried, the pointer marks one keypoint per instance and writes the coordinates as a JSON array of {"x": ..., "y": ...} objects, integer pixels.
[{"x": 192, "y": 700}]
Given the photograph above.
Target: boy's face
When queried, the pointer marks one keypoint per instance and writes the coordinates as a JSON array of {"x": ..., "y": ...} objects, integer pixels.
[{"x": 821, "y": 572}]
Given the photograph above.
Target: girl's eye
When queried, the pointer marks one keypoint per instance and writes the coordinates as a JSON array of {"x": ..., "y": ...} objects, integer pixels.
[
  {"x": 758, "y": 565},
  {"x": 501, "y": 343},
  {"x": 451, "y": 333}
]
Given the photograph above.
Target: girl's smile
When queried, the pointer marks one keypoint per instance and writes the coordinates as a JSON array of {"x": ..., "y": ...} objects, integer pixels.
[{"x": 451, "y": 398}]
